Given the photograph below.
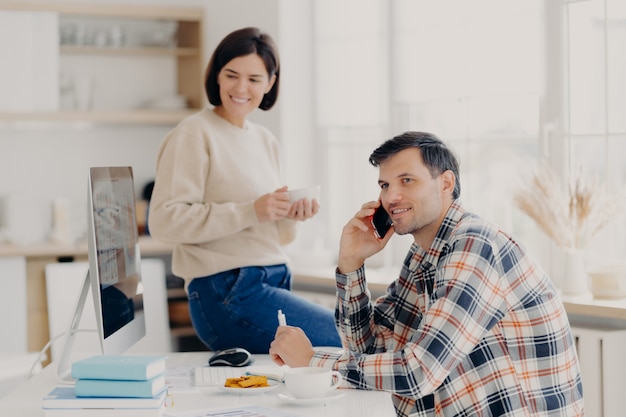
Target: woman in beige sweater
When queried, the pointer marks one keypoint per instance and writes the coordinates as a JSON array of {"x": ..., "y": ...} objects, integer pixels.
[{"x": 219, "y": 198}]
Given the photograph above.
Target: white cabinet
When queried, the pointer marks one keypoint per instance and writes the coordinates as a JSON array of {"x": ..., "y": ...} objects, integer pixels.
[
  {"x": 28, "y": 76},
  {"x": 13, "y": 305},
  {"x": 602, "y": 367}
]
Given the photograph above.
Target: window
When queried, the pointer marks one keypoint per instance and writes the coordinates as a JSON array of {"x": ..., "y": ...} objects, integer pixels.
[
  {"x": 471, "y": 73},
  {"x": 595, "y": 127},
  {"x": 497, "y": 79}
]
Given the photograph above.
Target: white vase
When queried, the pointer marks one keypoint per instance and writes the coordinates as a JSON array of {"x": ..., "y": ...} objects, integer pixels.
[{"x": 575, "y": 279}]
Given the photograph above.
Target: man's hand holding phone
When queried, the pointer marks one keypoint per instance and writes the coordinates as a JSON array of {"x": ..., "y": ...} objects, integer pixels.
[{"x": 359, "y": 240}]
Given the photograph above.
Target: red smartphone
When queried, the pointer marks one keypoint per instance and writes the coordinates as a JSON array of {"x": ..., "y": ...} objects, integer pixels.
[{"x": 381, "y": 222}]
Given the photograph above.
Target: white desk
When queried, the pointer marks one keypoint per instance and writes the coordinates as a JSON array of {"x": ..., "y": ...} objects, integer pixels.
[{"x": 25, "y": 400}]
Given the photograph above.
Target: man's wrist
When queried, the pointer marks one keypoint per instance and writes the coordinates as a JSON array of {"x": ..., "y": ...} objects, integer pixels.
[{"x": 347, "y": 266}]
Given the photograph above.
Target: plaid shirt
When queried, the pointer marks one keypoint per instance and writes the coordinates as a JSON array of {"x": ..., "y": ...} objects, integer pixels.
[{"x": 471, "y": 327}]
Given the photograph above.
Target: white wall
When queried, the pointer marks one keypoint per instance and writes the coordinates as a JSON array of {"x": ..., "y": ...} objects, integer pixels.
[
  {"x": 40, "y": 162},
  {"x": 39, "y": 165}
]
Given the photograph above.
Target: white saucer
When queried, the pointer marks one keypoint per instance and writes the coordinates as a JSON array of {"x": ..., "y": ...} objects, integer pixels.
[
  {"x": 249, "y": 391},
  {"x": 331, "y": 396}
]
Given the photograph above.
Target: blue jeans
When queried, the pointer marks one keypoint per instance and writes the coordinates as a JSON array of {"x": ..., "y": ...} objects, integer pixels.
[{"x": 238, "y": 308}]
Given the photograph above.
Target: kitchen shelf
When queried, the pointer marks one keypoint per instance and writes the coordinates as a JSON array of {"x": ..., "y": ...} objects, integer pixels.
[
  {"x": 129, "y": 51},
  {"x": 186, "y": 51},
  {"x": 121, "y": 117},
  {"x": 185, "y": 331}
]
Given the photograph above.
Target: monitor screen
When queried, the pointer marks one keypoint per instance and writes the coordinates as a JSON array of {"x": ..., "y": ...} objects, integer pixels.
[
  {"x": 114, "y": 274},
  {"x": 114, "y": 259}
]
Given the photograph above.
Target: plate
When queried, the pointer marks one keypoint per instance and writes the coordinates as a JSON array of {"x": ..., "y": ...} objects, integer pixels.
[
  {"x": 249, "y": 391},
  {"x": 331, "y": 396}
]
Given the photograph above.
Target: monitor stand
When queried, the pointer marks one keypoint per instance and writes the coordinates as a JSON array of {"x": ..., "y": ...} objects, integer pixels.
[{"x": 64, "y": 369}]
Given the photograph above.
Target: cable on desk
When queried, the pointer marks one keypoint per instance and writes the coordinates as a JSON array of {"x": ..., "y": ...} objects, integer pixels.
[{"x": 48, "y": 345}]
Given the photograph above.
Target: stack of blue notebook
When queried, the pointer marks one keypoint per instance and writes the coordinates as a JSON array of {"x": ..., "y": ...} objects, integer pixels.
[{"x": 113, "y": 386}]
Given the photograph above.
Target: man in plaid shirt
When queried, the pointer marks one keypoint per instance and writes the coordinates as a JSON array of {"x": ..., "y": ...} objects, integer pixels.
[{"x": 471, "y": 327}]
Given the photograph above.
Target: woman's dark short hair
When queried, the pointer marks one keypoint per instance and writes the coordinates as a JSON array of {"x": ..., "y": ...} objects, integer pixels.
[
  {"x": 437, "y": 156},
  {"x": 243, "y": 42}
]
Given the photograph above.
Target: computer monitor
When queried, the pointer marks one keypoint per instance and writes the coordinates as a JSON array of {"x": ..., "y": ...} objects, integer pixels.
[{"x": 114, "y": 274}]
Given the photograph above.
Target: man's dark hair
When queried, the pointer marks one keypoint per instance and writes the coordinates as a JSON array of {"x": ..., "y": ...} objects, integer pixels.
[
  {"x": 437, "y": 156},
  {"x": 243, "y": 42}
]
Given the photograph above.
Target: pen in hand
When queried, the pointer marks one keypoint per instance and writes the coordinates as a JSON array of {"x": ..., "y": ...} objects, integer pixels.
[{"x": 282, "y": 321}]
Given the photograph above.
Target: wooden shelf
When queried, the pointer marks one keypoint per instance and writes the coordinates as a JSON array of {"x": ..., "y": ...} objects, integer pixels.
[
  {"x": 184, "y": 331},
  {"x": 129, "y": 51},
  {"x": 176, "y": 293},
  {"x": 187, "y": 52},
  {"x": 147, "y": 245},
  {"x": 106, "y": 10},
  {"x": 133, "y": 116}
]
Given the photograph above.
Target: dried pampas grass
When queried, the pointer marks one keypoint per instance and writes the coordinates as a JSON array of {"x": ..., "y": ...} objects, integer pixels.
[{"x": 573, "y": 216}]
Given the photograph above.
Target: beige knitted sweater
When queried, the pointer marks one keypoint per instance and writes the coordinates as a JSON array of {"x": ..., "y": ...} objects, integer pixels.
[{"x": 209, "y": 172}]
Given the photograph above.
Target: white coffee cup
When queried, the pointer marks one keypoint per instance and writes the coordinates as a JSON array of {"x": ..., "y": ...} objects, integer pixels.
[
  {"x": 312, "y": 192},
  {"x": 311, "y": 382}
]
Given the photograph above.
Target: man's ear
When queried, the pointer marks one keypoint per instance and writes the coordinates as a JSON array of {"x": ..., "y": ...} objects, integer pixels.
[{"x": 448, "y": 181}]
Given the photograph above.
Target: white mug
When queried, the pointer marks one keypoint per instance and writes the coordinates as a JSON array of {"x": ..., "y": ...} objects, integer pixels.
[
  {"x": 310, "y": 193},
  {"x": 311, "y": 382}
]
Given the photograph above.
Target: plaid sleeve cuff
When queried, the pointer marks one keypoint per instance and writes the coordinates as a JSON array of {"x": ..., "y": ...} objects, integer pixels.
[
  {"x": 345, "y": 282},
  {"x": 325, "y": 359}
]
